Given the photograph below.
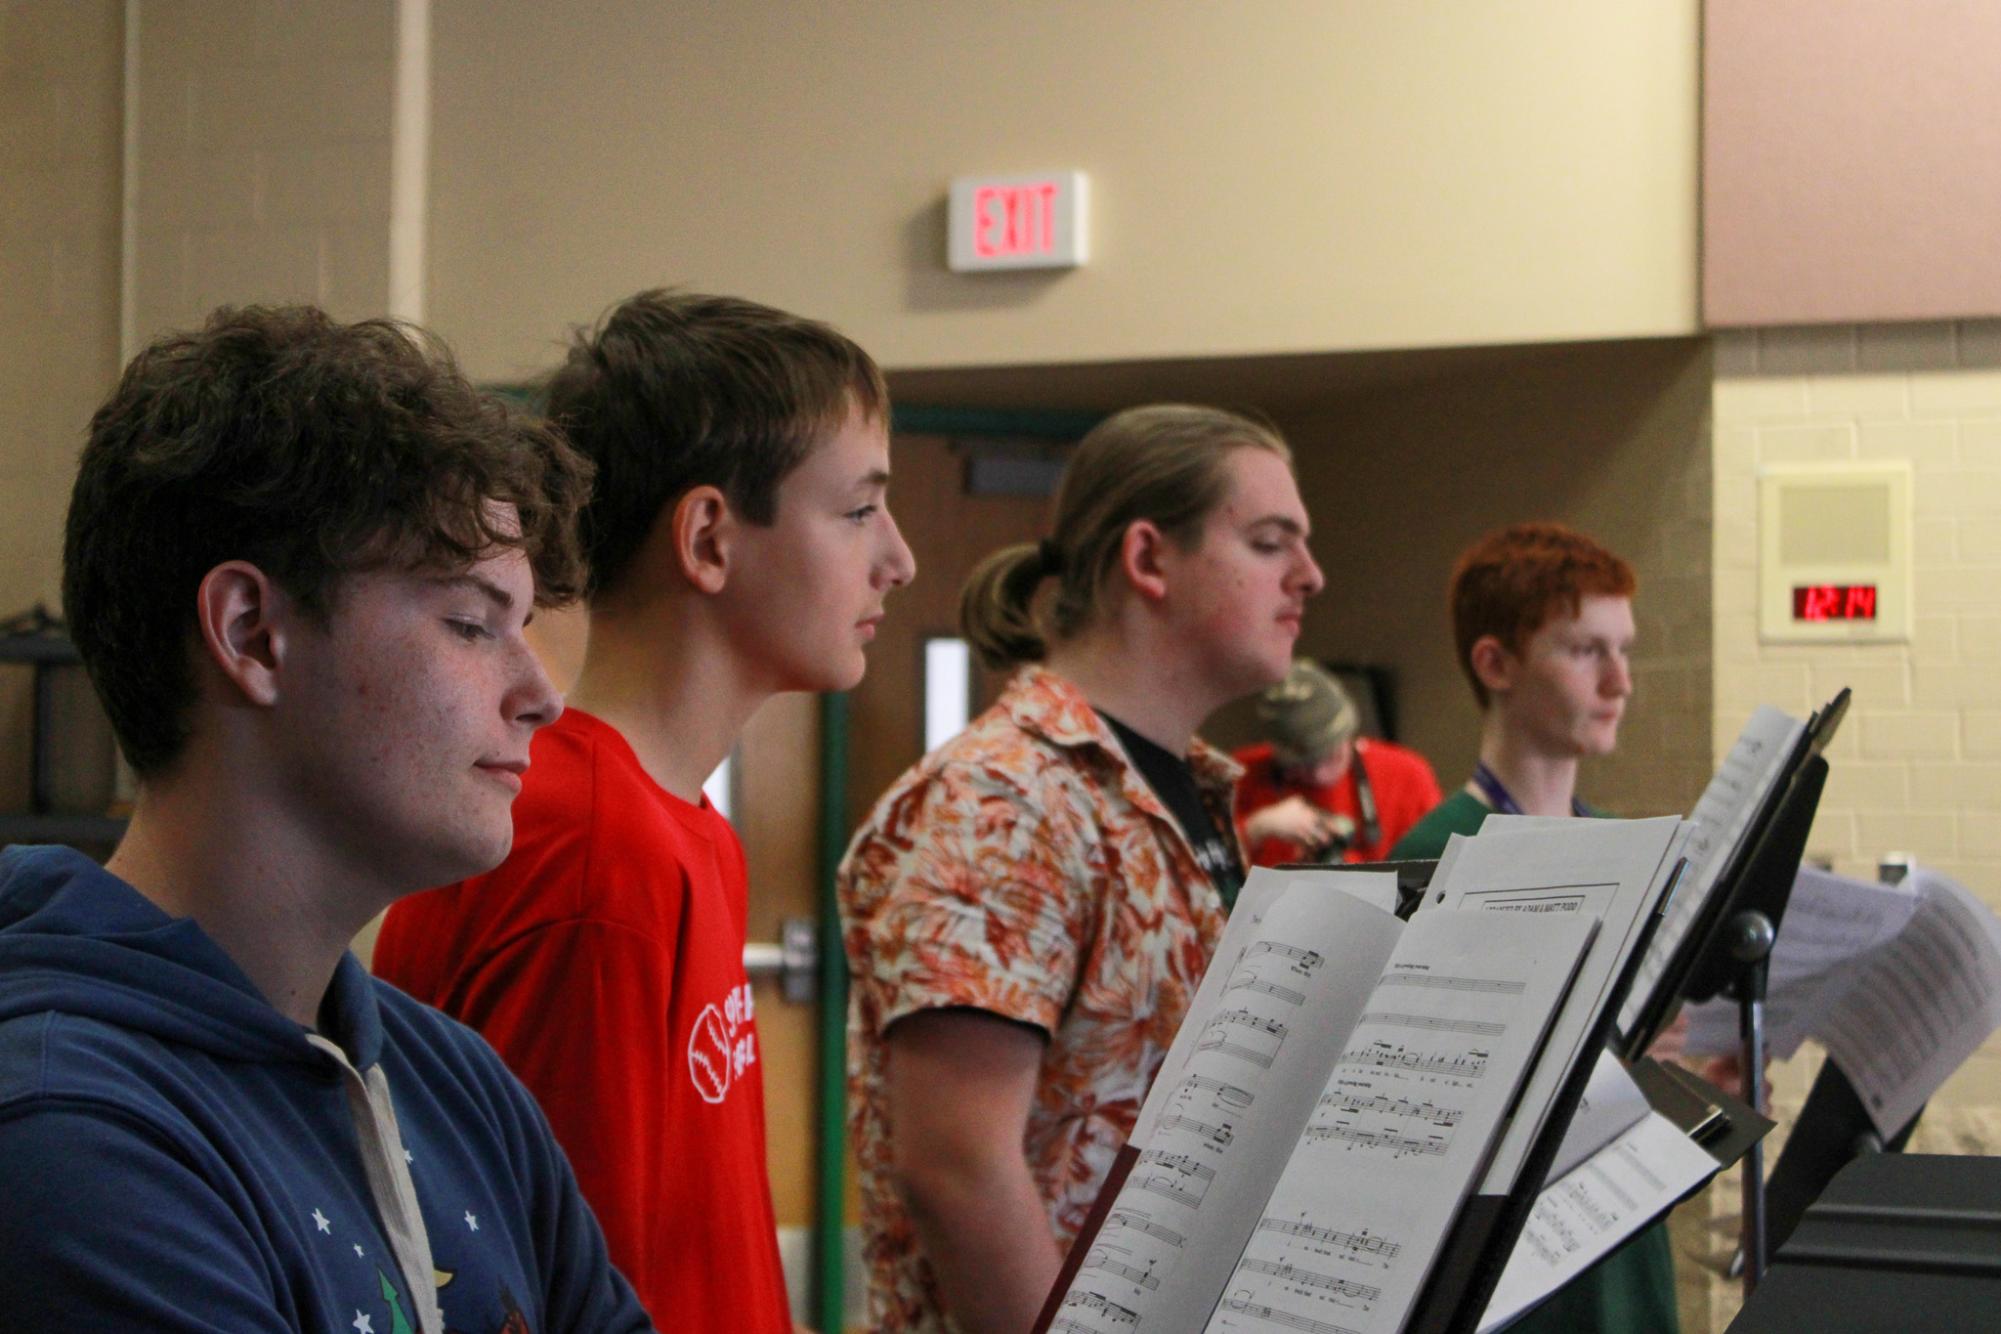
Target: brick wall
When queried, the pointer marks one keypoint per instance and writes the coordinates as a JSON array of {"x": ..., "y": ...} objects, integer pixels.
[{"x": 1917, "y": 766}]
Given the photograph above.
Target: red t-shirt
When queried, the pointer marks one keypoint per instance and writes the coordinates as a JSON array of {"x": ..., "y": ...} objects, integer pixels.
[
  {"x": 604, "y": 961},
  {"x": 1402, "y": 780}
]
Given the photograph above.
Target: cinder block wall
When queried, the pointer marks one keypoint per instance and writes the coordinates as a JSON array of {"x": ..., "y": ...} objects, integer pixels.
[{"x": 1917, "y": 766}]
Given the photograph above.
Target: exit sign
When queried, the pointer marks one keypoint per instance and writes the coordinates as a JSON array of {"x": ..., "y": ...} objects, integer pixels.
[{"x": 1017, "y": 222}]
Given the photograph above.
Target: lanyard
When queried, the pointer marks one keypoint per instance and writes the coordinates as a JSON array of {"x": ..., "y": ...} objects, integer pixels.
[{"x": 1501, "y": 799}]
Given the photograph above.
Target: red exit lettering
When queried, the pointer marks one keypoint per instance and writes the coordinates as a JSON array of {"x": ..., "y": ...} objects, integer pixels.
[{"x": 1014, "y": 220}]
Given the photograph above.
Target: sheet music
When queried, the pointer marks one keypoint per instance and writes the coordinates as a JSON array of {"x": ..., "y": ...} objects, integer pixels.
[
  {"x": 1612, "y": 870},
  {"x": 1582, "y": 1216},
  {"x": 1721, "y": 817},
  {"x": 1920, "y": 1005},
  {"x": 1830, "y": 920},
  {"x": 1240, "y": 1099},
  {"x": 1402, "y": 1128},
  {"x": 1262, "y": 890},
  {"x": 1612, "y": 1104}
]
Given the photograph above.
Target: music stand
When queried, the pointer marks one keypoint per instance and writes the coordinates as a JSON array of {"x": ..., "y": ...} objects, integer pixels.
[{"x": 1833, "y": 1129}]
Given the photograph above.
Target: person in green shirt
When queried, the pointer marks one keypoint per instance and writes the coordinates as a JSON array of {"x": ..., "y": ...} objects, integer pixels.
[{"x": 1542, "y": 618}]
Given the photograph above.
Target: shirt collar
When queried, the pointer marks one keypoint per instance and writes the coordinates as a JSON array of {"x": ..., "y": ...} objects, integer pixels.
[{"x": 1041, "y": 702}]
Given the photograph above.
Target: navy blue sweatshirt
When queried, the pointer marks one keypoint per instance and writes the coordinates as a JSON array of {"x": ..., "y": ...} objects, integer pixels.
[{"x": 175, "y": 1154}]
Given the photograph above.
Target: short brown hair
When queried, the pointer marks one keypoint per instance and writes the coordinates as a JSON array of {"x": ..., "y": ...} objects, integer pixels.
[
  {"x": 309, "y": 448},
  {"x": 674, "y": 390},
  {"x": 1166, "y": 462},
  {"x": 1514, "y": 581}
]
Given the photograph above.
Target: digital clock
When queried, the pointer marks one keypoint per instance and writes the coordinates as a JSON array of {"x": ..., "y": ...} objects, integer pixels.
[{"x": 1834, "y": 602}]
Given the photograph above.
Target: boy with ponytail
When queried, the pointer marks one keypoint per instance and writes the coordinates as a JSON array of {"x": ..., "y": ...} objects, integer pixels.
[{"x": 1029, "y": 909}]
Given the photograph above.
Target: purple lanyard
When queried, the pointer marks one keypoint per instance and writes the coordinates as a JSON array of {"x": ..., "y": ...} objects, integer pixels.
[{"x": 1501, "y": 799}]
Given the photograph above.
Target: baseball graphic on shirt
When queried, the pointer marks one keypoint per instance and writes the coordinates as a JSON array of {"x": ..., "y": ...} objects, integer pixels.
[{"x": 709, "y": 1055}]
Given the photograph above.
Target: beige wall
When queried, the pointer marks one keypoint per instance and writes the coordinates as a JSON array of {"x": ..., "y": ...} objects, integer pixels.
[
  {"x": 1280, "y": 175},
  {"x": 1611, "y": 438},
  {"x": 60, "y": 129},
  {"x": 1917, "y": 765},
  {"x": 263, "y": 156}
]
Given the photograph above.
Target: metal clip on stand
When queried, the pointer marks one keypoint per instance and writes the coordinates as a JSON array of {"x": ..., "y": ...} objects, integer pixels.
[{"x": 1751, "y": 935}]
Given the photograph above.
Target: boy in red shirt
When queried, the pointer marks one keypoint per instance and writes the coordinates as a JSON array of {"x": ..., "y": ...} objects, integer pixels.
[
  {"x": 1318, "y": 791},
  {"x": 740, "y": 546}
]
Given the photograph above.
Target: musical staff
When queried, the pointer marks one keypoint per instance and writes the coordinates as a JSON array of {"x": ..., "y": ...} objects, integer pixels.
[
  {"x": 1220, "y": 1136},
  {"x": 1291, "y": 1320},
  {"x": 1310, "y": 1278},
  {"x": 1434, "y": 1024},
  {"x": 1182, "y": 1180},
  {"x": 1226, "y": 1030},
  {"x": 1228, "y": 1094},
  {"x": 1303, "y": 961},
  {"x": 1442, "y": 1117},
  {"x": 1091, "y": 1301},
  {"x": 1472, "y": 1065},
  {"x": 1357, "y": 1243},
  {"x": 1101, "y": 1259},
  {"x": 1402, "y": 1144},
  {"x": 1252, "y": 982},
  {"x": 1433, "y": 982},
  {"x": 1139, "y": 1222}
]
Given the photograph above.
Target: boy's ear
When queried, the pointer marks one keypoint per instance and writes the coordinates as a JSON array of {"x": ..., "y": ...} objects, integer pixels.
[
  {"x": 1492, "y": 664},
  {"x": 239, "y": 612},
  {"x": 704, "y": 537},
  {"x": 1141, "y": 553}
]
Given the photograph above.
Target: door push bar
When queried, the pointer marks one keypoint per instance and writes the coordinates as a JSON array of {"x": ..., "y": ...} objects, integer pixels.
[{"x": 794, "y": 960}]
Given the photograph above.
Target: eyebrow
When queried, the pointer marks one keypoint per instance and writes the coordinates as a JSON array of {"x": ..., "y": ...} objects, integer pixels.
[
  {"x": 873, "y": 479},
  {"x": 495, "y": 594},
  {"x": 1290, "y": 525}
]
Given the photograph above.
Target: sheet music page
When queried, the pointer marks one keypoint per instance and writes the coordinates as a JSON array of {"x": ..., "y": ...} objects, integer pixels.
[
  {"x": 1612, "y": 1104},
  {"x": 1613, "y": 870},
  {"x": 1830, "y": 921},
  {"x": 1583, "y": 1215},
  {"x": 1919, "y": 1006},
  {"x": 1229, "y": 1115},
  {"x": 1721, "y": 817},
  {"x": 1263, "y": 888},
  {"x": 1402, "y": 1129}
]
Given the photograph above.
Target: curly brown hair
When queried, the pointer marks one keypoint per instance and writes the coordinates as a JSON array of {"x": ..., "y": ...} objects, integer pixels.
[
  {"x": 313, "y": 450},
  {"x": 1515, "y": 580}
]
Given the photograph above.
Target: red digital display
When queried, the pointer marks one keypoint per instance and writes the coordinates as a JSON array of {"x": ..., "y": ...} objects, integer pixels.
[{"x": 1834, "y": 602}]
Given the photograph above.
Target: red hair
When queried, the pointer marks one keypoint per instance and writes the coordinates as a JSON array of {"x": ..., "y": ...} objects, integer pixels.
[{"x": 1514, "y": 581}]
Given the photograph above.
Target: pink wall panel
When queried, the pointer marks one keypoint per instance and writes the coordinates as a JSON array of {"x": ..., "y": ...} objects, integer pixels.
[{"x": 1851, "y": 160}]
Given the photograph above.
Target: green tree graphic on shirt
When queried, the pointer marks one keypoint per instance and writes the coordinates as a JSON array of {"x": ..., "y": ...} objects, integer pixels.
[{"x": 398, "y": 1322}]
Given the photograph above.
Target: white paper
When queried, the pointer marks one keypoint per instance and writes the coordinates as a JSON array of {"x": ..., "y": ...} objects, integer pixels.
[
  {"x": 1224, "y": 1122},
  {"x": 1584, "y": 1215},
  {"x": 1612, "y": 870},
  {"x": 1262, "y": 890},
  {"x": 1612, "y": 1104},
  {"x": 1402, "y": 1129},
  {"x": 1919, "y": 1006},
  {"x": 1830, "y": 921},
  {"x": 1721, "y": 818}
]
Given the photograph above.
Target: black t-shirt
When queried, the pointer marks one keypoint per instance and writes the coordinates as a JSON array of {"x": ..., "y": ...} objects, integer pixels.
[{"x": 1173, "y": 781}]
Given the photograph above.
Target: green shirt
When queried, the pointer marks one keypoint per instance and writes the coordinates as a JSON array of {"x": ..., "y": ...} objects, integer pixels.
[{"x": 1630, "y": 1291}]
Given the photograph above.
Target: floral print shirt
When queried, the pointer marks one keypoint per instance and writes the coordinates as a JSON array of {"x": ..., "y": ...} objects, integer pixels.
[{"x": 1024, "y": 868}]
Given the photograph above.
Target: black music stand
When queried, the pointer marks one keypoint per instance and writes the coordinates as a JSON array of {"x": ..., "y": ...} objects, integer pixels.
[
  {"x": 1833, "y": 1129},
  {"x": 1736, "y": 960},
  {"x": 1899, "y": 1241}
]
